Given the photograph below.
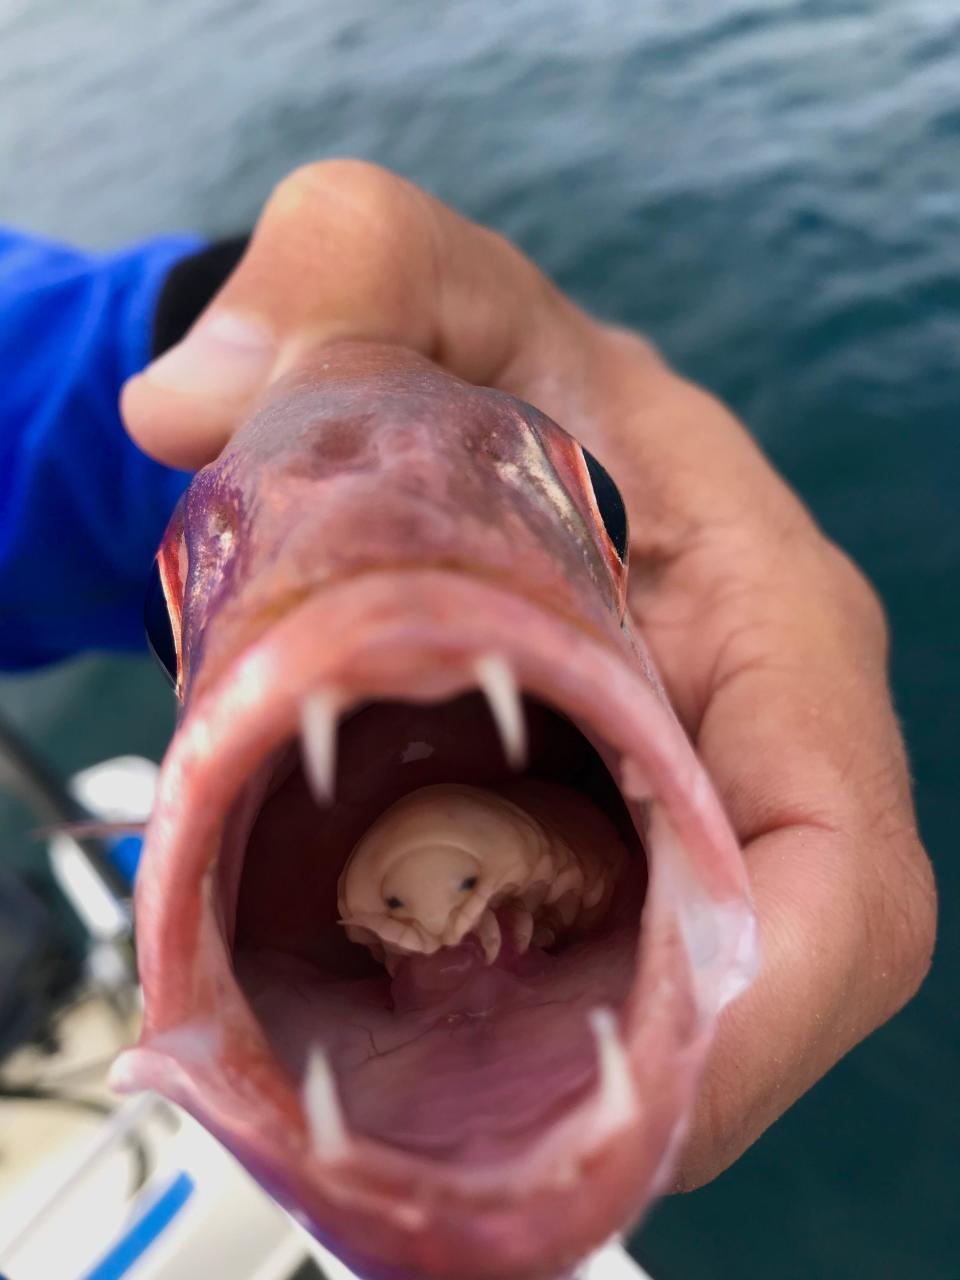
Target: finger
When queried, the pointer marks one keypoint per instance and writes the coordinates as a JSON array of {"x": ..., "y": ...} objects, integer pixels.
[
  {"x": 773, "y": 648},
  {"x": 837, "y": 962},
  {"x": 800, "y": 739},
  {"x": 343, "y": 250}
]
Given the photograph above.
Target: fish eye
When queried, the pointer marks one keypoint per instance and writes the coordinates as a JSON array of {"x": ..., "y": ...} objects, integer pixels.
[
  {"x": 469, "y": 883},
  {"x": 609, "y": 503},
  {"x": 394, "y": 902},
  {"x": 156, "y": 622}
]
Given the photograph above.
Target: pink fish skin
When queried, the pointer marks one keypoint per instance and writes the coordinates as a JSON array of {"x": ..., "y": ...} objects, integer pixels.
[{"x": 374, "y": 531}]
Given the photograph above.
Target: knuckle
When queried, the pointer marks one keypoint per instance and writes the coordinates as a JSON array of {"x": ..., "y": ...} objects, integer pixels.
[
  {"x": 375, "y": 227},
  {"x": 295, "y": 189},
  {"x": 637, "y": 346},
  {"x": 903, "y": 926},
  {"x": 368, "y": 187},
  {"x": 917, "y": 916},
  {"x": 860, "y": 596}
]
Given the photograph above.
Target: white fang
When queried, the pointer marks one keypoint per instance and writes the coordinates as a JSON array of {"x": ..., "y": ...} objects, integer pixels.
[
  {"x": 617, "y": 1100},
  {"x": 497, "y": 682},
  {"x": 318, "y": 722},
  {"x": 328, "y": 1131}
]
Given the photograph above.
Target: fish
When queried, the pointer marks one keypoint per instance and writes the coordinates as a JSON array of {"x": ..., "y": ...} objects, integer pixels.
[{"x": 393, "y": 580}]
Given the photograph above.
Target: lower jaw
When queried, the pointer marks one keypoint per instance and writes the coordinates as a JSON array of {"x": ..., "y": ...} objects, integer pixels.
[
  {"x": 528, "y": 1213},
  {"x": 508, "y": 1078},
  {"x": 594, "y": 1166}
]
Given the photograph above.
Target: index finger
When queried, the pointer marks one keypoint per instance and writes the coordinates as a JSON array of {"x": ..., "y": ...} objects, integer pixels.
[{"x": 343, "y": 250}]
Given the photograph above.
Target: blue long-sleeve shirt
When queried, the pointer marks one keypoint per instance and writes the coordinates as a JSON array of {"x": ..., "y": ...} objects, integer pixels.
[{"x": 81, "y": 509}]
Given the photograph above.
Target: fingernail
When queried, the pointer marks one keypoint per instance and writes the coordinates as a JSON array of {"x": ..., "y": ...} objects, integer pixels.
[{"x": 227, "y": 355}]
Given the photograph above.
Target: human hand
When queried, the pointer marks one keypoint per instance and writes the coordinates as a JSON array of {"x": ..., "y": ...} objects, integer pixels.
[{"x": 771, "y": 644}]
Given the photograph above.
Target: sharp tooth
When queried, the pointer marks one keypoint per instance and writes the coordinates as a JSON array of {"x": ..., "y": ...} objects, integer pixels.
[
  {"x": 594, "y": 895},
  {"x": 496, "y": 679},
  {"x": 543, "y": 936},
  {"x": 488, "y": 931},
  {"x": 521, "y": 927},
  {"x": 617, "y": 1097},
  {"x": 328, "y": 1129},
  {"x": 318, "y": 720}
]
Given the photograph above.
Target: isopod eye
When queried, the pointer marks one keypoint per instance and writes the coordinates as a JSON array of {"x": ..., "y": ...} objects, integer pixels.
[
  {"x": 393, "y": 903},
  {"x": 156, "y": 621},
  {"x": 469, "y": 883},
  {"x": 609, "y": 504}
]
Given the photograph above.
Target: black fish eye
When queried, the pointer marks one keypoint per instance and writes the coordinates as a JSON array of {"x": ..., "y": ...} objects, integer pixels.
[
  {"x": 156, "y": 622},
  {"x": 610, "y": 505},
  {"x": 393, "y": 903},
  {"x": 469, "y": 883}
]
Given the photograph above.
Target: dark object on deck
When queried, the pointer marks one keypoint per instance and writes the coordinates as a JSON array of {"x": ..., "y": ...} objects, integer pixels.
[{"x": 37, "y": 967}]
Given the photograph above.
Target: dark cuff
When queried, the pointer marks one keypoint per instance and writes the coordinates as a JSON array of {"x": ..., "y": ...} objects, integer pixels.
[{"x": 189, "y": 287}]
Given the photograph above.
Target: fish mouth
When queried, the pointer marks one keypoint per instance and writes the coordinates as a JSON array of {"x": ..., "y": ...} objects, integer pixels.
[{"x": 523, "y": 1109}]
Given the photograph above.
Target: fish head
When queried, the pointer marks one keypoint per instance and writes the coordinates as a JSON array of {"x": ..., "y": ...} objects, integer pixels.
[
  {"x": 358, "y": 466},
  {"x": 391, "y": 580}
]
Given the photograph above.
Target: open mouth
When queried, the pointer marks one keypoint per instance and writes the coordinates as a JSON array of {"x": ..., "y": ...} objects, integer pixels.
[
  {"x": 498, "y": 1066},
  {"x": 465, "y": 1056}
]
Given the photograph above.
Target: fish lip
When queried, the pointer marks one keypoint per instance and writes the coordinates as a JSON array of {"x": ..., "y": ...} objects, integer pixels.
[{"x": 386, "y": 625}]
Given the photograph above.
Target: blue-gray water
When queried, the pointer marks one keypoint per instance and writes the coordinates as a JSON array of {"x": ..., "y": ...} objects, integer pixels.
[{"x": 772, "y": 191}]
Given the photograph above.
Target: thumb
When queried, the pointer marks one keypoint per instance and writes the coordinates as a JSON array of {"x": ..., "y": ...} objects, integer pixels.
[{"x": 340, "y": 251}]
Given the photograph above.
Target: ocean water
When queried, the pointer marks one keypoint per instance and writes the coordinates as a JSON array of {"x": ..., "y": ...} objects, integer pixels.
[{"x": 770, "y": 190}]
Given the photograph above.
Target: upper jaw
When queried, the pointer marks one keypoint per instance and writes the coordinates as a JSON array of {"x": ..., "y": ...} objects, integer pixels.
[{"x": 430, "y": 637}]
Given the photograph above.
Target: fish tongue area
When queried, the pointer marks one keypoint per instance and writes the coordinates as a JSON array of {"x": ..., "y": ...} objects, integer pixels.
[{"x": 451, "y": 1058}]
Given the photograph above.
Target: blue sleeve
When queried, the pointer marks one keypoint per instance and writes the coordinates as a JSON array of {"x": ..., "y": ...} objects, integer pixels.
[{"x": 81, "y": 509}]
